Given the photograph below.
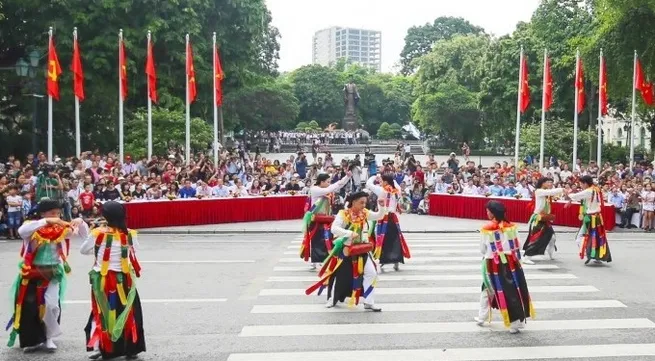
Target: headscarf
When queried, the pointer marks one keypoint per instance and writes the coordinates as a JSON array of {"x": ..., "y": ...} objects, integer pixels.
[
  {"x": 114, "y": 214},
  {"x": 498, "y": 210},
  {"x": 47, "y": 204}
]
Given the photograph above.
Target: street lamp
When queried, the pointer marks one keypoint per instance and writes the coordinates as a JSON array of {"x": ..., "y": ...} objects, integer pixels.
[{"x": 29, "y": 70}]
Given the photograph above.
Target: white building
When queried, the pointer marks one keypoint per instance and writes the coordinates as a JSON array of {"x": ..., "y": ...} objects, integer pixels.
[
  {"x": 357, "y": 45},
  {"x": 616, "y": 131}
]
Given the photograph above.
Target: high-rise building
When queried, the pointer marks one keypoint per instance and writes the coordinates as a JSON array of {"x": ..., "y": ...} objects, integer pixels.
[{"x": 356, "y": 45}]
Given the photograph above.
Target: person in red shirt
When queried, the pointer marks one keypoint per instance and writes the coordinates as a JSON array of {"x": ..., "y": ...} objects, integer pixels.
[
  {"x": 419, "y": 176},
  {"x": 87, "y": 200}
]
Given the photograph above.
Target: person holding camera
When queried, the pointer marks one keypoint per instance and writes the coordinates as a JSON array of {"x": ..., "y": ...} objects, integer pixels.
[{"x": 48, "y": 184}]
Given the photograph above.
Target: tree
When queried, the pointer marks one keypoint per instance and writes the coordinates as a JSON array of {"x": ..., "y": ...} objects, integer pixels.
[
  {"x": 268, "y": 106},
  {"x": 451, "y": 113},
  {"x": 385, "y": 132},
  {"x": 419, "y": 39},
  {"x": 168, "y": 127},
  {"x": 396, "y": 130},
  {"x": 249, "y": 56},
  {"x": 319, "y": 91}
]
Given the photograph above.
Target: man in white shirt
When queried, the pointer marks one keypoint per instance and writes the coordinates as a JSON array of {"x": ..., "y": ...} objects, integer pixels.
[{"x": 220, "y": 190}]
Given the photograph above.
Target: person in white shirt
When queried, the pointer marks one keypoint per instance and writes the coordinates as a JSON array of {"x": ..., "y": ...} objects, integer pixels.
[
  {"x": 351, "y": 247},
  {"x": 113, "y": 288},
  {"x": 541, "y": 235},
  {"x": 317, "y": 239},
  {"x": 390, "y": 245},
  {"x": 591, "y": 238},
  {"x": 470, "y": 189},
  {"x": 46, "y": 242},
  {"x": 220, "y": 190}
]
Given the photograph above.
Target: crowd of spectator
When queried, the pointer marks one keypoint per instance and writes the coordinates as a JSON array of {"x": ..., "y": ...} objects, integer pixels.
[{"x": 83, "y": 183}]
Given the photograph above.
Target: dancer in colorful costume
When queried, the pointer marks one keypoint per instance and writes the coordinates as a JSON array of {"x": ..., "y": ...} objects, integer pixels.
[
  {"x": 317, "y": 239},
  {"x": 390, "y": 245},
  {"x": 591, "y": 238},
  {"x": 115, "y": 327},
  {"x": 504, "y": 286},
  {"x": 350, "y": 270},
  {"x": 41, "y": 282},
  {"x": 541, "y": 237}
]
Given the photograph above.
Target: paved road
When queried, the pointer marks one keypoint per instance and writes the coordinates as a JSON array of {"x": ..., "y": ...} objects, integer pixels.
[{"x": 240, "y": 298}]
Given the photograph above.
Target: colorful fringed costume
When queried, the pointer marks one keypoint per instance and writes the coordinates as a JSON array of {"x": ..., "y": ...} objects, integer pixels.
[
  {"x": 390, "y": 244},
  {"x": 541, "y": 236},
  {"x": 317, "y": 238},
  {"x": 115, "y": 326},
  {"x": 40, "y": 284},
  {"x": 504, "y": 286},
  {"x": 592, "y": 238},
  {"x": 349, "y": 271}
]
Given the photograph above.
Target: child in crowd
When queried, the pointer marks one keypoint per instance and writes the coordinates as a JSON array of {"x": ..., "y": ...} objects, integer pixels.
[{"x": 14, "y": 212}]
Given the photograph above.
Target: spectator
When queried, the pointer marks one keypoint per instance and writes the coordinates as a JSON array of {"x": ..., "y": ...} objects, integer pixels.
[
  {"x": 424, "y": 205},
  {"x": 648, "y": 206},
  {"x": 14, "y": 212},
  {"x": 187, "y": 191}
]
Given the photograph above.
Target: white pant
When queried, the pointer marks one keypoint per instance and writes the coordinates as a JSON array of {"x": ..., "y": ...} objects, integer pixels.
[
  {"x": 52, "y": 311},
  {"x": 483, "y": 313}
]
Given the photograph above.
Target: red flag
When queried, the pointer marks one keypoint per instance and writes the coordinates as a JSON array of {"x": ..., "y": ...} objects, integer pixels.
[
  {"x": 78, "y": 74},
  {"x": 191, "y": 73},
  {"x": 644, "y": 86},
  {"x": 54, "y": 70},
  {"x": 122, "y": 65},
  {"x": 603, "y": 87},
  {"x": 548, "y": 86},
  {"x": 152, "y": 75},
  {"x": 218, "y": 79},
  {"x": 579, "y": 86},
  {"x": 525, "y": 88}
]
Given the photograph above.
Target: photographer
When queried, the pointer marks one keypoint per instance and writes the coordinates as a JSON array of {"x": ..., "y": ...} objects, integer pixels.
[{"x": 48, "y": 184}]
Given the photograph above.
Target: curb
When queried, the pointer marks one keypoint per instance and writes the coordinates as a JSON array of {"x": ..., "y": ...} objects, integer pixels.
[{"x": 282, "y": 231}]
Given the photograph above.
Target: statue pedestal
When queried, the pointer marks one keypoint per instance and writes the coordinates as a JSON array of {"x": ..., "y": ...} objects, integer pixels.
[{"x": 350, "y": 122}]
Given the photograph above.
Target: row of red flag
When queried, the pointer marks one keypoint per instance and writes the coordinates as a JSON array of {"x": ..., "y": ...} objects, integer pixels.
[
  {"x": 641, "y": 84},
  {"x": 54, "y": 71}
]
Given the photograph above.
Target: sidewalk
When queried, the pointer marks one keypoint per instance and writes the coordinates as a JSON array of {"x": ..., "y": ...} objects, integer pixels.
[{"x": 410, "y": 223}]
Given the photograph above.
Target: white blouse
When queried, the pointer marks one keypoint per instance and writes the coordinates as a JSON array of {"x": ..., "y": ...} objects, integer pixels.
[
  {"x": 114, "y": 254},
  {"x": 339, "y": 224}
]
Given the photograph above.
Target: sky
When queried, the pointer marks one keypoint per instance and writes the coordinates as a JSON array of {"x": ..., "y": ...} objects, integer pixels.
[{"x": 297, "y": 21}]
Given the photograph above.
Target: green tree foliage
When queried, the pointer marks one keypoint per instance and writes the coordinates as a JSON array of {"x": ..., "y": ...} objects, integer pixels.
[
  {"x": 248, "y": 44},
  {"x": 168, "y": 128},
  {"x": 385, "y": 131},
  {"x": 269, "y": 106},
  {"x": 319, "y": 91},
  {"x": 420, "y": 39},
  {"x": 308, "y": 126}
]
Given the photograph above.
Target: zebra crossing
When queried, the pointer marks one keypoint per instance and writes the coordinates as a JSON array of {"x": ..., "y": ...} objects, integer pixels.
[{"x": 427, "y": 314}]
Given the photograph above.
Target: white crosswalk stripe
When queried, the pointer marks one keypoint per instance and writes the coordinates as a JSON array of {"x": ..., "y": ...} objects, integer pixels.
[{"x": 435, "y": 293}]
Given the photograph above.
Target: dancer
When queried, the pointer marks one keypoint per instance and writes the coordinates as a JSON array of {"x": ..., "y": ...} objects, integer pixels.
[
  {"x": 317, "y": 240},
  {"x": 504, "y": 286},
  {"x": 541, "y": 236},
  {"x": 350, "y": 270},
  {"x": 390, "y": 245},
  {"x": 115, "y": 327},
  {"x": 591, "y": 238},
  {"x": 41, "y": 282}
]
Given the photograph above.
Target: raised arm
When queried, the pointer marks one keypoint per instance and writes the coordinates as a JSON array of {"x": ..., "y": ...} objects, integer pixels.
[
  {"x": 549, "y": 192},
  {"x": 370, "y": 184},
  {"x": 580, "y": 195},
  {"x": 376, "y": 216},
  {"x": 28, "y": 228},
  {"x": 319, "y": 192},
  {"x": 89, "y": 244}
]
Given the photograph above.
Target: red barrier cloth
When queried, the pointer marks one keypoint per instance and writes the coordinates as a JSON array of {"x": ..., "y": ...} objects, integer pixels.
[
  {"x": 191, "y": 212},
  {"x": 472, "y": 207}
]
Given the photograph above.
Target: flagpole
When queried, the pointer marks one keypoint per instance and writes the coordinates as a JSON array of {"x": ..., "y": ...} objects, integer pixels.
[
  {"x": 634, "y": 110},
  {"x": 50, "y": 112},
  {"x": 575, "y": 111},
  {"x": 543, "y": 115},
  {"x": 78, "y": 144},
  {"x": 188, "y": 107},
  {"x": 601, "y": 84},
  {"x": 120, "y": 97},
  {"x": 215, "y": 105},
  {"x": 149, "y": 108},
  {"x": 518, "y": 115}
]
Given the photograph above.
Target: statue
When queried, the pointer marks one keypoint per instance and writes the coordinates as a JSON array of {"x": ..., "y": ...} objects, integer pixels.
[{"x": 350, "y": 99}]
